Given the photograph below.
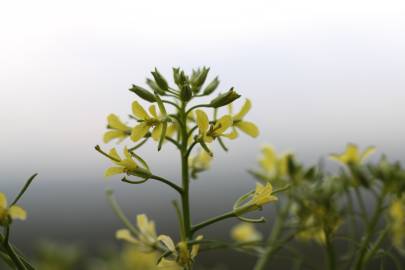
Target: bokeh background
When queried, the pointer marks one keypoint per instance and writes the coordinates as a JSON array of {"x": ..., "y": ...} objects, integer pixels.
[{"x": 319, "y": 73}]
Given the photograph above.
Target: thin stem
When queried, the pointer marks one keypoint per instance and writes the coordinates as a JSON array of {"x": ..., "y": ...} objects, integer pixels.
[
  {"x": 171, "y": 103},
  {"x": 191, "y": 148},
  {"x": 197, "y": 106},
  {"x": 138, "y": 145},
  {"x": 275, "y": 232},
  {"x": 369, "y": 233},
  {"x": 213, "y": 220},
  {"x": 10, "y": 251},
  {"x": 167, "y": 182},
  {"x": 119, "y": 213},
  {"x": 173, "y": 142},
  {"x": 330, "y": 251},
  {"x": 362, "y": 205}
]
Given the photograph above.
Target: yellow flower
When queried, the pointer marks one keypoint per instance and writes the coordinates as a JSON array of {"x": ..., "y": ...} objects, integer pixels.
[
  {"x": 238, "y": 122},
  {"x": 200, "y": 162},
  {"x": 397, "y": 217},
  {"x": 146, "y": 237},
  {"x": 132, "y": 258},
  {"x": 146, "y": 122},
  {"x": 124, "y": 165},
  {"x": 208, "y": 132},
  {"x": 245, "y": 232},
  {"x": 263, "y": 195},
  {"x": 352, "y": 156},
  {"x": 260, "y": 196},
  {"x": 272, "y": 164},
  {"x": 118, "y": 129},
  {"x": 182, "y": 255},
  {"x": 12, "y": 212}
]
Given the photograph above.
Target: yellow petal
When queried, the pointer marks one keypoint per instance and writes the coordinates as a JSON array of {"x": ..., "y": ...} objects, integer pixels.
[
  {"x": 113, "y": 153},
  {"x": 3, "y": 200},
  {"x": 16, "y": 212},
  {"x": 113, "y": 171},
  {"x": 244, "y": 110},
  {"x": 202, "y": 121},
  {"x": 152, "y": 110},
  {"x": 168, "y": 242},
  {"x": 223, "y": 124},
  {"x": 113, "y": 134},
  {"x": 369, "y": 151},
  {"x": 125, "y": 234},
  {"x": 115, "y": 123},
  {"x": 157, "y": 131},
  {"x": 171, "y": 129},
  {"x": 139, "y": 132},
  {"x": 139, "y": 111},
  {"x": 245, "y": 232},
  {"x": 195, "y": 248},
  {"x": 249, "y": 128}
]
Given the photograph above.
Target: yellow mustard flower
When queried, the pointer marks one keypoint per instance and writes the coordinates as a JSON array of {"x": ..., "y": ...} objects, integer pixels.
[
  {"x": 397, "y": 217},
  {"x": 263, "y": 195},
  {"x": 245, "y": 126},
  {"x": 245, "y": 232},
  {"x": 132, "y": 258},
  {"x": 124, "y": 165},
  {"x": 272, "y": 164},
  {"x": 146, "y": 237},
  {"x": 118, "y": 129},
  {"x": 260, "y": 196},
  {"x": 12, "y": 212},
  {"x": 182, "y": 255},
  {"x": 146, "y": 122},
  {"x": 200, "y": 162},
  {"x": 208, "y": 132},
  {"x": 352, "y": 155}
]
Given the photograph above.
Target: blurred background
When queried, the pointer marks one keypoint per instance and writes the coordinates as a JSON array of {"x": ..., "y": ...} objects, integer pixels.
[{"x": 319, "y": 73}]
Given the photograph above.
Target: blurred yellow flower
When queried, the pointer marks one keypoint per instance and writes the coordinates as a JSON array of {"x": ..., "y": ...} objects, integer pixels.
[
  {"x": 146, "y": 122},
  {"x": 118, "y": 129},
  {"x": 245, "y": 232},
  {"x": 397, "y": 217},
  {"x": 183, "y": 256},
  {"x": 146, "y": 238},
  {"x": 352, "y": 156},
  {"x": 200, "y": 162},
  {"x": 124, "y": 165},
  {"x": 209, "y": 132},
  {"x": 262, "y": 195},
  {"x": 272, "y": 164},
  {"x": 238, "y": 122},
  {"x": 12, "y": 212}
]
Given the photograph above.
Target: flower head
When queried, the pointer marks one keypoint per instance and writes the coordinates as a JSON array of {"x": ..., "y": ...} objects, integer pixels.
[
  {"x": 147, "y": 122},
  {"x": 200, "y": 162},
  {"x": 125, "y": 165},
  {"x": 118, "y": 130},
  {"x": 272, "y": 164},
  {"x": 146, "y": 236},
  {"x": 245, "y": 232},
  {"x": 209, "y": 132},
  {"x": 238, "y": 122},
  {"x": 352, "y": 156},
  {"x": 181, "y": 253},
  {"x": 257, "y": 199},
  {"x": 9, "y": 213}
]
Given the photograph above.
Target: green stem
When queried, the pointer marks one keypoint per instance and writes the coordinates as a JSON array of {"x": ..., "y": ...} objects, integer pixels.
[
  {"x": 184, "y": 172},
  {"x": 212, "y": 220},
  {"x": 271, "y": 248},
  {"x": 330, "y": 251},
  {"x": 369, "y": 233},
  {"x": 10, "y": 251}
]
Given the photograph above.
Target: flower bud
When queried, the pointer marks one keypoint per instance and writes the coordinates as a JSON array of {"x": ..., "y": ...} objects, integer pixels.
[
  {"x": 152, "y": 84},
  {"x": 224, "y": 99},
  {"x": 198, "y": 79},
  {"x": 143, "y": 93},
  {"x": 160, "y": 80},
  {"x": 211, "y": 86}
]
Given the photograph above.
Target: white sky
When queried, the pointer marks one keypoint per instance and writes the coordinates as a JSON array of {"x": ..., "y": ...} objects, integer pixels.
[{"x": 320, "y": 73}]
